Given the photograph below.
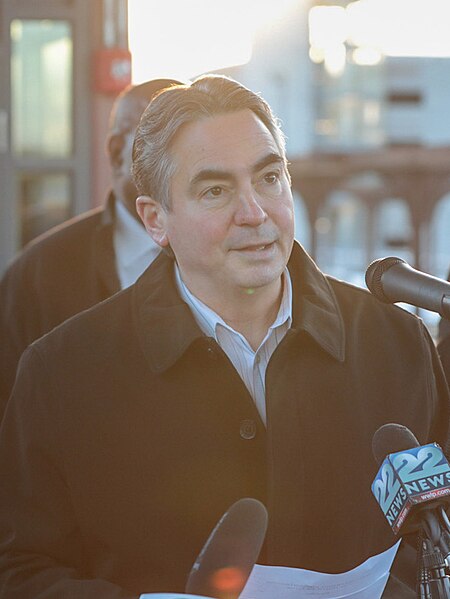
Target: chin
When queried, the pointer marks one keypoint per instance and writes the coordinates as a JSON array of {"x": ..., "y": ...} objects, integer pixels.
[{"x": 261, "y": 281}]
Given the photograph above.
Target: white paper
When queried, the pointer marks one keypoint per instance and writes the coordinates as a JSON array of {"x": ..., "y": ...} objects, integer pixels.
[
  {"x": 172, "y": 596},
  {"x": 366, "y": 581}
]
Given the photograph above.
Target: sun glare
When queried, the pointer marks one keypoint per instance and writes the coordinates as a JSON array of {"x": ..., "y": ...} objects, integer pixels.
[
  {"x": 184, "y": 38},
  {"x": 376, "y": 28},
  {"x": 401, "y": 27}
]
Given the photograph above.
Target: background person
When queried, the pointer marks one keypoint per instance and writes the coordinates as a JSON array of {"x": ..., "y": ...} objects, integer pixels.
[
  {"x": 85, "y": 260},
  {"x": 236, "y": 370}
]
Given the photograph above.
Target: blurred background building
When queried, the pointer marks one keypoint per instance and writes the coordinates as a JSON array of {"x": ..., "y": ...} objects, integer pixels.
[{"x": 362, "y": 89}]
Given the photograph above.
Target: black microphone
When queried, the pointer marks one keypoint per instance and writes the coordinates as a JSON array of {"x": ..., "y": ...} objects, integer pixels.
[
  {"x": 393, "y": 280},
  {"x": 391, "y": 438},
  {"x": 223, "y": 566}
]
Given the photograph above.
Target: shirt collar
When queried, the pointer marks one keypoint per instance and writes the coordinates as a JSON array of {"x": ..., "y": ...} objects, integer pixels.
[
  {"x": 160, "y": 309},
  {"x": 208, "y": 320},
  {"x": 133, "y": 246}
]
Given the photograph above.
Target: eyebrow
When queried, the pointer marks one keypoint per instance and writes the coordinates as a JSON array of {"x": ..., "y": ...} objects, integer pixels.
[
  {"x": 217, "y": 174},
  {"x": 271, "y": 158}
]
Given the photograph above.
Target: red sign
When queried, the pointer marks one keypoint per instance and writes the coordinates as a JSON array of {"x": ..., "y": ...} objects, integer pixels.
[{"x": 112, "y": 71}]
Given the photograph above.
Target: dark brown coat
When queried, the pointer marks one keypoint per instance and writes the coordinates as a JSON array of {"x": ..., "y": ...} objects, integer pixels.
[
  {"x": 66, "y": 270},
  {"x": 126, "y": 438}
]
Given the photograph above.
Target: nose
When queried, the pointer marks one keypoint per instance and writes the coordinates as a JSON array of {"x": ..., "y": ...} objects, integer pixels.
[{"x": 249, "y": 210}]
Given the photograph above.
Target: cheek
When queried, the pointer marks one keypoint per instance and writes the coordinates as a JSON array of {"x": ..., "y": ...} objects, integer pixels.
[
  {"x": 196, "y": 238},
  {"x": 290, "y": 215},
  {"x": 283, "y": 213},
  {"x": 207, "y": 231}
]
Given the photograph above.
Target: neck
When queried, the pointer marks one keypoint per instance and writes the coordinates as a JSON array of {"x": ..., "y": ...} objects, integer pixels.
[{"x": 252, "y": 313}]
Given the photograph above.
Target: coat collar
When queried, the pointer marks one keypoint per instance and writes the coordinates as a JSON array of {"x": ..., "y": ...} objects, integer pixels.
[
  {"x": 315, "y": 307},
  {"x": 103, "y": 249},
  {"x": 166, "y": 327}
]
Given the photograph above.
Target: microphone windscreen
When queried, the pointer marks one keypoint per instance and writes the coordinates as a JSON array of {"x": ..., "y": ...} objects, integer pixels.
[
  {"x": 375, "y": 271},
  {"x": 391, "y": 438},
  {"x": 224, "y": 564}
]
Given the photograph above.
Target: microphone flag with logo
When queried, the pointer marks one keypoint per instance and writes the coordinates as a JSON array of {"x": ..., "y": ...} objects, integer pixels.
[{"x": 409, "y": 478}]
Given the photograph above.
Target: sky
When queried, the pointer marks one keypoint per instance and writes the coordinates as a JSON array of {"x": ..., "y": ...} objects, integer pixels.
[{"x": 183, "y": 38}]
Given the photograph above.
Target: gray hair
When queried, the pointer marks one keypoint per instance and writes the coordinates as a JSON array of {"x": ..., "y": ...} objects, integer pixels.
[{"x": 209, "y": 95}]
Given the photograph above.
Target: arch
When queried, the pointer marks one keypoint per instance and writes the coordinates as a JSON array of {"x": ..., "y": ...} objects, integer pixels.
[
  {"x": 340, "y": 230},
  {"x": 393, "y": 229},
  {"x": 440, "y": 238}
]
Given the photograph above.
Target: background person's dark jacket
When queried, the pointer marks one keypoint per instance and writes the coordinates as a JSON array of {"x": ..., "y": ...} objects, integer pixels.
[
  {"x": 63, "y": 272},
  {"x": 129, "y": 434}
]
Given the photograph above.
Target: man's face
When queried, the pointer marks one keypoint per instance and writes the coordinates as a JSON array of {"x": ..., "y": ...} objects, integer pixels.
[{"x": 231, "y": 221}]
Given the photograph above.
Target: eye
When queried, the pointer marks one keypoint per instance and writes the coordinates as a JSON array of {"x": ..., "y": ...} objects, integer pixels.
[
  {"x": 213, "y": 192},
  {"x": 271, "y": 177}
]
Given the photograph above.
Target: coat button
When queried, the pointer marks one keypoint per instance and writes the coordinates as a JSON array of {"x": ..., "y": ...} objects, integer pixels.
[{"x": 247, "y": 429}]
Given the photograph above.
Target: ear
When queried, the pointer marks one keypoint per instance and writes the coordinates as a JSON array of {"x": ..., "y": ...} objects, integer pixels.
[
  {"x": 114, "y": 147},
  {"x": 154, "y": 218}
]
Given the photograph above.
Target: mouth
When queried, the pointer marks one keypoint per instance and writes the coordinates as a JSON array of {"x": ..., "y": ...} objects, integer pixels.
[{"x": 256, "y": 248}]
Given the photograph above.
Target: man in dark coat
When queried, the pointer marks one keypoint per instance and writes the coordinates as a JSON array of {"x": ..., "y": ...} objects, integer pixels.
[
  {"x": 232, "y": 368},
  {"x": 83, "y": 261}
]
